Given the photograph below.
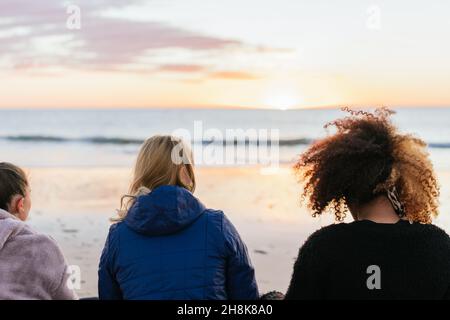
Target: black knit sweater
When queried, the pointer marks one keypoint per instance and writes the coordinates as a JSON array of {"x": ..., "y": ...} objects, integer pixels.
[{"x": 368, "y": 260}]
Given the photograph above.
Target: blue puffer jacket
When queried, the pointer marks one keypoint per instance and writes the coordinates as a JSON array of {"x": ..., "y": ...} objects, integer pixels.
[{"x": 171, "y": 247}]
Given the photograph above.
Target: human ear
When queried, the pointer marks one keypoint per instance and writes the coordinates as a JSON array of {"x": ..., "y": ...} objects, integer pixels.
[
  {"x": 20, "y": 205},
  {"x": 16, "y": 205},
  {"x": 184, "y": 176}
]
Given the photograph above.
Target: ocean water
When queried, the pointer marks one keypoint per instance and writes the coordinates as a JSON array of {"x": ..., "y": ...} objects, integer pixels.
[{"x": 73, "y": 138}]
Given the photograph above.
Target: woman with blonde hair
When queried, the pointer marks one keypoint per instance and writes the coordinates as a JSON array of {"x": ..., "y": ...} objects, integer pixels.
[
  {"x": 166, "y": 245},
  {"x": 386, "y": 180}
]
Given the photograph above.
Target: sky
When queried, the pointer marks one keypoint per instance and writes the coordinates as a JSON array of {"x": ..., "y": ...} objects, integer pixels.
[{"x": 237, "y": 53}]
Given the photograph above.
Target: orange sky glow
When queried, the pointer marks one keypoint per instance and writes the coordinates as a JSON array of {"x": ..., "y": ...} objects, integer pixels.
[{"x": 195, "y": 53}]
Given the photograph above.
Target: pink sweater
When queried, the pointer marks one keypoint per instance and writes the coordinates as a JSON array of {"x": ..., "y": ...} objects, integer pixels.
[{"x": 31, "y": 264}]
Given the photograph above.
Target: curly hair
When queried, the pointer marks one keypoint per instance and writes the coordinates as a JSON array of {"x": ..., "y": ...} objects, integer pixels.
[{"x": 365, "y": 157}]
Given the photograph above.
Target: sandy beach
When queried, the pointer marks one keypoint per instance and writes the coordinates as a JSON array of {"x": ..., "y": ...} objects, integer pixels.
[
  {"x": 73, "y": 205},
  {"x": 246, "y": 85}
]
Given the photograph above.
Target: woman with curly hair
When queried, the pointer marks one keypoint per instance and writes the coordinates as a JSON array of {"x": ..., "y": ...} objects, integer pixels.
[{"x": 387, "y": 182}]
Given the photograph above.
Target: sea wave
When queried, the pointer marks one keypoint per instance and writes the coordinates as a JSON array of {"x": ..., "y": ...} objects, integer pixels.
[
  {"x": 136, "y": 141},
  {"x": 123, "y": 141}
]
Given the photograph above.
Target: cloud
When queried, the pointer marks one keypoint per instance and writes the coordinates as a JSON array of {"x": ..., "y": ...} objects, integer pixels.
[
  {"x": 181, "y": 68},
  {"x": 117, "y": 41},
  {"x": 205, "y": 72},
  {"x": 233, "y": 75},
  {"x": 101, "y": 43},
  {"x": 34, "y": 39}
]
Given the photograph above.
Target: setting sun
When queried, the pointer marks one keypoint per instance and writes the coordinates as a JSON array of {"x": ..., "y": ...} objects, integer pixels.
[{"x": 282, "y": 101}]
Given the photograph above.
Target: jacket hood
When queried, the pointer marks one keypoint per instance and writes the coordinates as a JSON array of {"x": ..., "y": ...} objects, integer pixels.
[
  {"x": 10, "y": 226},
  {"x": 165, "y": 210}
]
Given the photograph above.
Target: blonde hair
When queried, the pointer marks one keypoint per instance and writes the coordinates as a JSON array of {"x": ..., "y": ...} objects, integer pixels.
[
  {"x": 159, "y": 162},
  {"x": 413, "y": 174}
]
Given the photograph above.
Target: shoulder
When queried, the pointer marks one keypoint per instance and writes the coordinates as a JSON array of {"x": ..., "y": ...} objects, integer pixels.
[
  {"x": 214, "y": 217},
  {"x": 221, "y": 229},
  {"x": 116, "y": 227},
  {"x": 45, "y": 249},
  {"x": 430, "y": 241},
  {"x": 44, "y": 258},
  {"x": 423, "y": 233},
  {"x": 32, "y": 240},
  {"x": 115, "y": 231},
  {"x": 50, "y": 262},
  {"x": 328, "y": 232},
  {"x": 431, "y": 235},
  {"x": 219, "y": 219},
  {"x": 214, "y": 214},
  {"x": 324, "y": 239},
  {"x": 431, "y": 229},
  {"x": 46, "y": 241},
  {"x": 321, "y": 245}
]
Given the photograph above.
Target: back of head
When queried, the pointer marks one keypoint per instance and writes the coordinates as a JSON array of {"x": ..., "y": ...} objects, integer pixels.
[
  {"x": 367, "y": 157},
  {"x": 13, "y": 181},
  {"x": 162, "y": 160}
]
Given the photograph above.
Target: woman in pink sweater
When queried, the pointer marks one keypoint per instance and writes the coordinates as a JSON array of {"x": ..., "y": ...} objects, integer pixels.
[{"x": 31, "y": 264}]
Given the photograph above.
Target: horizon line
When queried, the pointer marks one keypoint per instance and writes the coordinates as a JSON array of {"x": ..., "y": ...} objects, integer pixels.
[{"x": 222, "y": 107}]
